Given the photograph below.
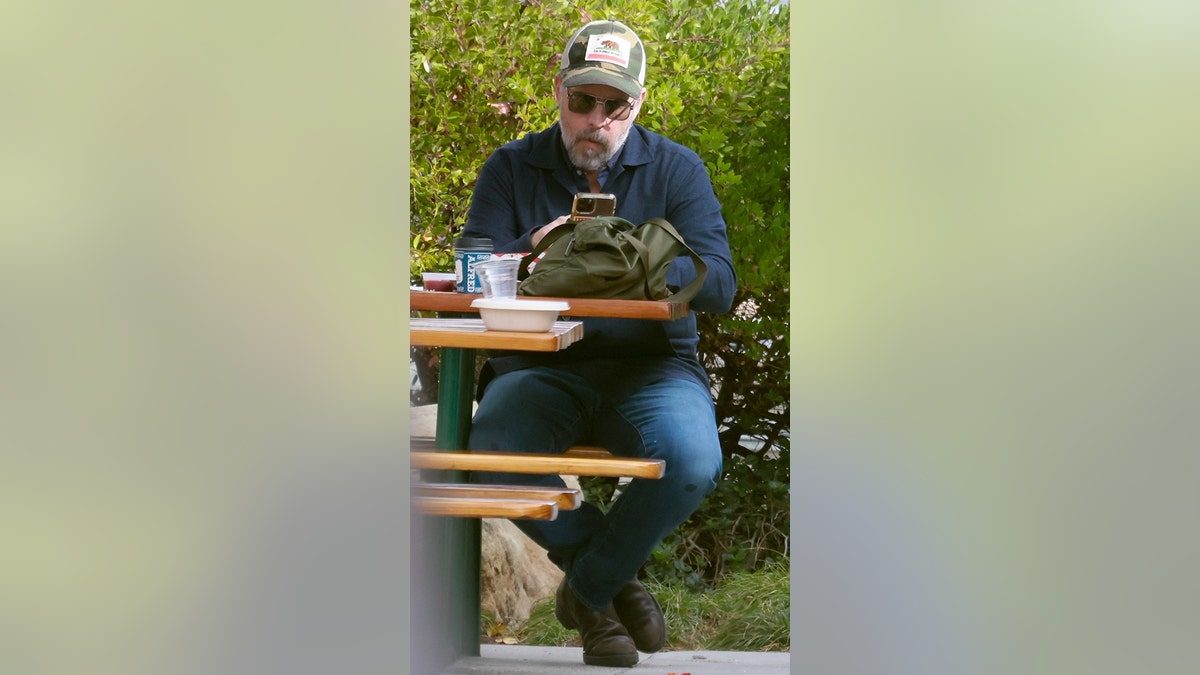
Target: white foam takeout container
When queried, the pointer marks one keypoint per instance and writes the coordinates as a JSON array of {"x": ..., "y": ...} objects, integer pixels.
[{"x": 519, "y": 315}]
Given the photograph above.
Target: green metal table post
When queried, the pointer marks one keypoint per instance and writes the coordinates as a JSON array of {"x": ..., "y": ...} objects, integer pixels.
[{"x": 456, "y": 388}]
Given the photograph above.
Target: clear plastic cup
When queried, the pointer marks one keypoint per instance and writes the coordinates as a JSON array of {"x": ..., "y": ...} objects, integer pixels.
[{"x": 499, "y": 277}]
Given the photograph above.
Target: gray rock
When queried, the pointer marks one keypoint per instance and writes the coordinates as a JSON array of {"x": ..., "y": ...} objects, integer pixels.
[{"x": 514, "y": 572}]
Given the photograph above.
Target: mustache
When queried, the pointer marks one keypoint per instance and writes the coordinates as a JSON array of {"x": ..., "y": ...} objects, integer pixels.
[{"x": 594, "y": 136}]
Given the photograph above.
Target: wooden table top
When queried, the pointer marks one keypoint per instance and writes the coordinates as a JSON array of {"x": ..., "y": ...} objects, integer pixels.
[
  {"x": 471, "y": 334},
  {"x": 625, "y": 309}
]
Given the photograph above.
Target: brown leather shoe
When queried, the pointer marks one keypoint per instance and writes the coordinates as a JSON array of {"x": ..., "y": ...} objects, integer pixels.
[
  {"x": 605, "y": 640},
  {"x": 642, "y": 616}
]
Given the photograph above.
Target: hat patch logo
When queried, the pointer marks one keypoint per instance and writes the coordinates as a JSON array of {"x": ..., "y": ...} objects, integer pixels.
[{"x": 609, "y": 49}]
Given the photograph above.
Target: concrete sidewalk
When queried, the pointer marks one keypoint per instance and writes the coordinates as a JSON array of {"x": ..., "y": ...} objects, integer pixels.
[{"x": 527, "y": 660}]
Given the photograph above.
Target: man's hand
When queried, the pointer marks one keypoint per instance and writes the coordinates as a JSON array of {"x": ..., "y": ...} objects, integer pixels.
[{"x": 542, "y": 231}]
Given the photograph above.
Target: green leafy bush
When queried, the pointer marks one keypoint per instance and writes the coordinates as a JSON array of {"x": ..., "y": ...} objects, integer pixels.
[{"x": 482, "y": 74}]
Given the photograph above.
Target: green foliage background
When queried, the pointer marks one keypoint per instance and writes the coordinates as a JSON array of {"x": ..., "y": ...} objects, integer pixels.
[{"x": 481, "y": 75}]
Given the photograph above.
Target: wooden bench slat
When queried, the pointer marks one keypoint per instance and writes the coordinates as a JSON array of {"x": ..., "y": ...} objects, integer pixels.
[
  {"x": 483, "y": 507},
  {"x": 429, "y": 444},
  {"x": 567, "y": 499},
  {"x": 516, "y": 462}
]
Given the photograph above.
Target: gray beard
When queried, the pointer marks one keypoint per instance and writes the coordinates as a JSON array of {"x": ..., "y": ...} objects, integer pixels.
[{"x": 592, "y": 160}]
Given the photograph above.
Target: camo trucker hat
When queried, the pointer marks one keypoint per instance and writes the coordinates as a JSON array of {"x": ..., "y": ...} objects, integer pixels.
[{"x": 605, "y": 52}]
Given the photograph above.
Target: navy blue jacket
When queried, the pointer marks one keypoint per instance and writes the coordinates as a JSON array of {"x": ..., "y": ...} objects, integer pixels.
[{"x": 529, "y": 182}]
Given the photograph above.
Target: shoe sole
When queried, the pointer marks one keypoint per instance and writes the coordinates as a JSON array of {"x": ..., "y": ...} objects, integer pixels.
[{"x": 612, "y": 661}]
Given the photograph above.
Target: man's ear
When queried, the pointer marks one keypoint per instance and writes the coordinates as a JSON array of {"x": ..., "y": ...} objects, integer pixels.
[{"x": 557, "y": 86}]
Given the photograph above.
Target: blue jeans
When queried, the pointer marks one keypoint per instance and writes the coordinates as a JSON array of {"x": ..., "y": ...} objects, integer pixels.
[{"x": 547, "y": 410}]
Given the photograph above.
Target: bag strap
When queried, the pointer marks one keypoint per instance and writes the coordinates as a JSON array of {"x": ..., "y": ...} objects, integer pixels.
[
  {"x": 688, "y": 292},
  {"x": 643, "y": 255},
  {"x": 548, "y": 239}
]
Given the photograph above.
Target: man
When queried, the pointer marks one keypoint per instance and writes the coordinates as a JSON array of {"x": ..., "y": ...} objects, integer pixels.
[{"x": 635, "y": 387}]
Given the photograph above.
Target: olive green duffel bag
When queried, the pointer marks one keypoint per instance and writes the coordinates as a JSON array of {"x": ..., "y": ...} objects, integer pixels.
[{"x": 608, "y": 257}]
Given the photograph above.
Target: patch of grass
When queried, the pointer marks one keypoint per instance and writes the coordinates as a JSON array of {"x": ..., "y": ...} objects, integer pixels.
[
  {"x": 754, "y": 610},
  {"x": 543, "y": 628},
  {"x": 746, "y": 611}
]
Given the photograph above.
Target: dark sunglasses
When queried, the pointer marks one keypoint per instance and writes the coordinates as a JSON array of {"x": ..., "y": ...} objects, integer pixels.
[{"x": 614, "y": 108}]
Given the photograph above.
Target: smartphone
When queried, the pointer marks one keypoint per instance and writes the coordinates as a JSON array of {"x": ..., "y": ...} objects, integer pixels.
[{"x": 588, "y": 205}]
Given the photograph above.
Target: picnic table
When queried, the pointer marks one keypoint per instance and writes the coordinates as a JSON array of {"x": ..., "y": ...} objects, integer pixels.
[{"x": 445, "y": 600}]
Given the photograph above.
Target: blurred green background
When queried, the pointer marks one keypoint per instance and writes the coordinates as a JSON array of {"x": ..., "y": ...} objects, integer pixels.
[
  {"x": 204, "y": 364},
  {"x": 995, "y": 379},
  {"x": 203, "y": 373}
]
